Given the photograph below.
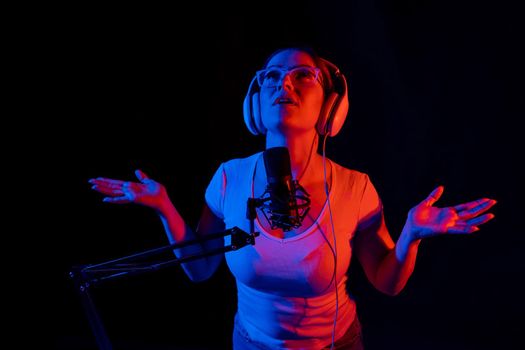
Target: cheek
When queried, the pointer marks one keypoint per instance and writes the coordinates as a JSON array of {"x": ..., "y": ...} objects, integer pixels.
[
  {"x": 264, "y": 99},
  {"x": 314, "y": 103},
  {"x": 264, "y": 103}
]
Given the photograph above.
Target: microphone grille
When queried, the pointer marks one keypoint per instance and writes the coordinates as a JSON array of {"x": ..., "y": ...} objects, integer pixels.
[{"x": 277, "y": 162}]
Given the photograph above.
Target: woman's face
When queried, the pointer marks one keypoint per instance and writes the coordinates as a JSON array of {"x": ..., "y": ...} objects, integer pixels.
[{"x": 291, "y": 103}]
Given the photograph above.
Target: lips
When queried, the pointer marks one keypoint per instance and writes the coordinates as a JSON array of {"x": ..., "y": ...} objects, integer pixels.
[{"x": 284, "y": 100}]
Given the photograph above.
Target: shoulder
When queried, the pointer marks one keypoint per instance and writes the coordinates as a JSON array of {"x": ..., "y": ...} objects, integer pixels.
[
  {"x": 239, "y": 164},
  {"x": 349, "y": 175},
  {"x": 352, "y": 183},
  {"x": 231, "y": 172},
  {"x": 242, "y": 162}
]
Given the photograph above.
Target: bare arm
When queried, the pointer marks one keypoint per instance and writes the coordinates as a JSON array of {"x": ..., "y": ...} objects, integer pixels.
[
  {"x": 388, "y": 266},
  {"x": 177, "y": 231},
  {"x": 152, "y": 194},
  {"x": 375, "y": 251}
]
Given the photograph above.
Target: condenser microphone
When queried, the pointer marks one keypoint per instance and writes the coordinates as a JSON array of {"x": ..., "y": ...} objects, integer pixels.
[{"x": 288, "y": 201}]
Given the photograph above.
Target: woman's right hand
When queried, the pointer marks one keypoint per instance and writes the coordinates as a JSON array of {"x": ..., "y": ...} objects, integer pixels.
[{"x": 146, "y": 192}]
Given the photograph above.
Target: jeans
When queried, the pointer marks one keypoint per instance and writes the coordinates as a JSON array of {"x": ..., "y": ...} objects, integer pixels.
[{"x": 351, "y": 340}]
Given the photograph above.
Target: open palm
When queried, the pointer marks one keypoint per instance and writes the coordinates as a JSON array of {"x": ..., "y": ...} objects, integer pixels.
[
  {"x": 426, "y": 220},
  {"x": 146, "y": 192}
]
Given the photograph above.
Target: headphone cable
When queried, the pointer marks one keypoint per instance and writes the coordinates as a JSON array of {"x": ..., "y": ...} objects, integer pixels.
[{"x": 334, "y": 250}]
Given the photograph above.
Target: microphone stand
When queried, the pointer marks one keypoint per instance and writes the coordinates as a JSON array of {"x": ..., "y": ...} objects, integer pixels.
[{"x": 85, "y": 276}]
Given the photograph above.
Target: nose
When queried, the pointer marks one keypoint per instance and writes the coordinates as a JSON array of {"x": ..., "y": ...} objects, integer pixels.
[{"x": 286, "y": 81}]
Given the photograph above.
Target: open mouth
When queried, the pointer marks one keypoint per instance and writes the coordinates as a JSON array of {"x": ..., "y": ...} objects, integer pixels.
[{"x": 284, "y": 101}]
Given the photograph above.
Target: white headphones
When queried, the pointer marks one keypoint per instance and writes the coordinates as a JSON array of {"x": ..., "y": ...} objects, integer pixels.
[{"x": 332, "y": 115}]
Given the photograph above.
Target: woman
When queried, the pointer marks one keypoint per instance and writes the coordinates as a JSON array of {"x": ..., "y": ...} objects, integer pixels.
[{"x": 291, "y": 283}]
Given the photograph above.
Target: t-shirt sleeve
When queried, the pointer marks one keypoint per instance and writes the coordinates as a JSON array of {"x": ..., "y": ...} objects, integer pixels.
[
  {"x": 215, "y": 192},
  {"x": 371, "y": 208}
]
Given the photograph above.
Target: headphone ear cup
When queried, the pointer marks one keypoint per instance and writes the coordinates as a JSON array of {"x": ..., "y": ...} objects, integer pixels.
[
  {"x": 335, "y": 109},
  {"x": 339, "y": 116},
  {"x": 323, "y": 123},
  {"x": 256, "y": 114},
  {"x": 248, "y": 109}
]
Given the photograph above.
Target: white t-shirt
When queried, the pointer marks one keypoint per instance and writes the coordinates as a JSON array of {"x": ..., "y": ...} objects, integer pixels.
[{"x": 285, "y": 287}]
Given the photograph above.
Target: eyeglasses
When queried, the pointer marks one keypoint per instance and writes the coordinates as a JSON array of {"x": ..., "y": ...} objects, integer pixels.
[{"x": 300, "y": 76}]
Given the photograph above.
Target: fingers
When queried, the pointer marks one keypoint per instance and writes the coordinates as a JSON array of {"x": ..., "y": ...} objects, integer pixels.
[
  {"x": 107, "y": 186},
  {"x": 474, "y": 208},
  {"x": 141, "y": 175},
  {"x": 434, "y": 196},
  {"x": 469, "y": 226},
  {"x": 108, "y": 191},
  {"x": 116, "y": 200},
  {"x": 462, "y": 229},
  {"x": 118, "y": 191},
  {"x": 104, "y": 181},
  {"x": 480, "y": 219}
]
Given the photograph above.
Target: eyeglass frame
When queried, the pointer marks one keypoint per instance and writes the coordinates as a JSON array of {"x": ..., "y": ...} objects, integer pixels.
[{"x": 259, "y": 74}]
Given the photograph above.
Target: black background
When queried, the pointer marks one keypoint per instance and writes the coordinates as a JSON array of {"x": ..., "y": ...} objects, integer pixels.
[{"x": 437, "y": 98}]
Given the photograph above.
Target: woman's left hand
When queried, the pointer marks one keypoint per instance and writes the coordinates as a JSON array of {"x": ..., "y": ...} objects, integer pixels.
[{"x": 425, "y": 220}]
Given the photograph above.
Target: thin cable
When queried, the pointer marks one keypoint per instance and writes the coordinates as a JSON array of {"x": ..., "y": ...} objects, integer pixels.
[{"x": 334, "y": 250}]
